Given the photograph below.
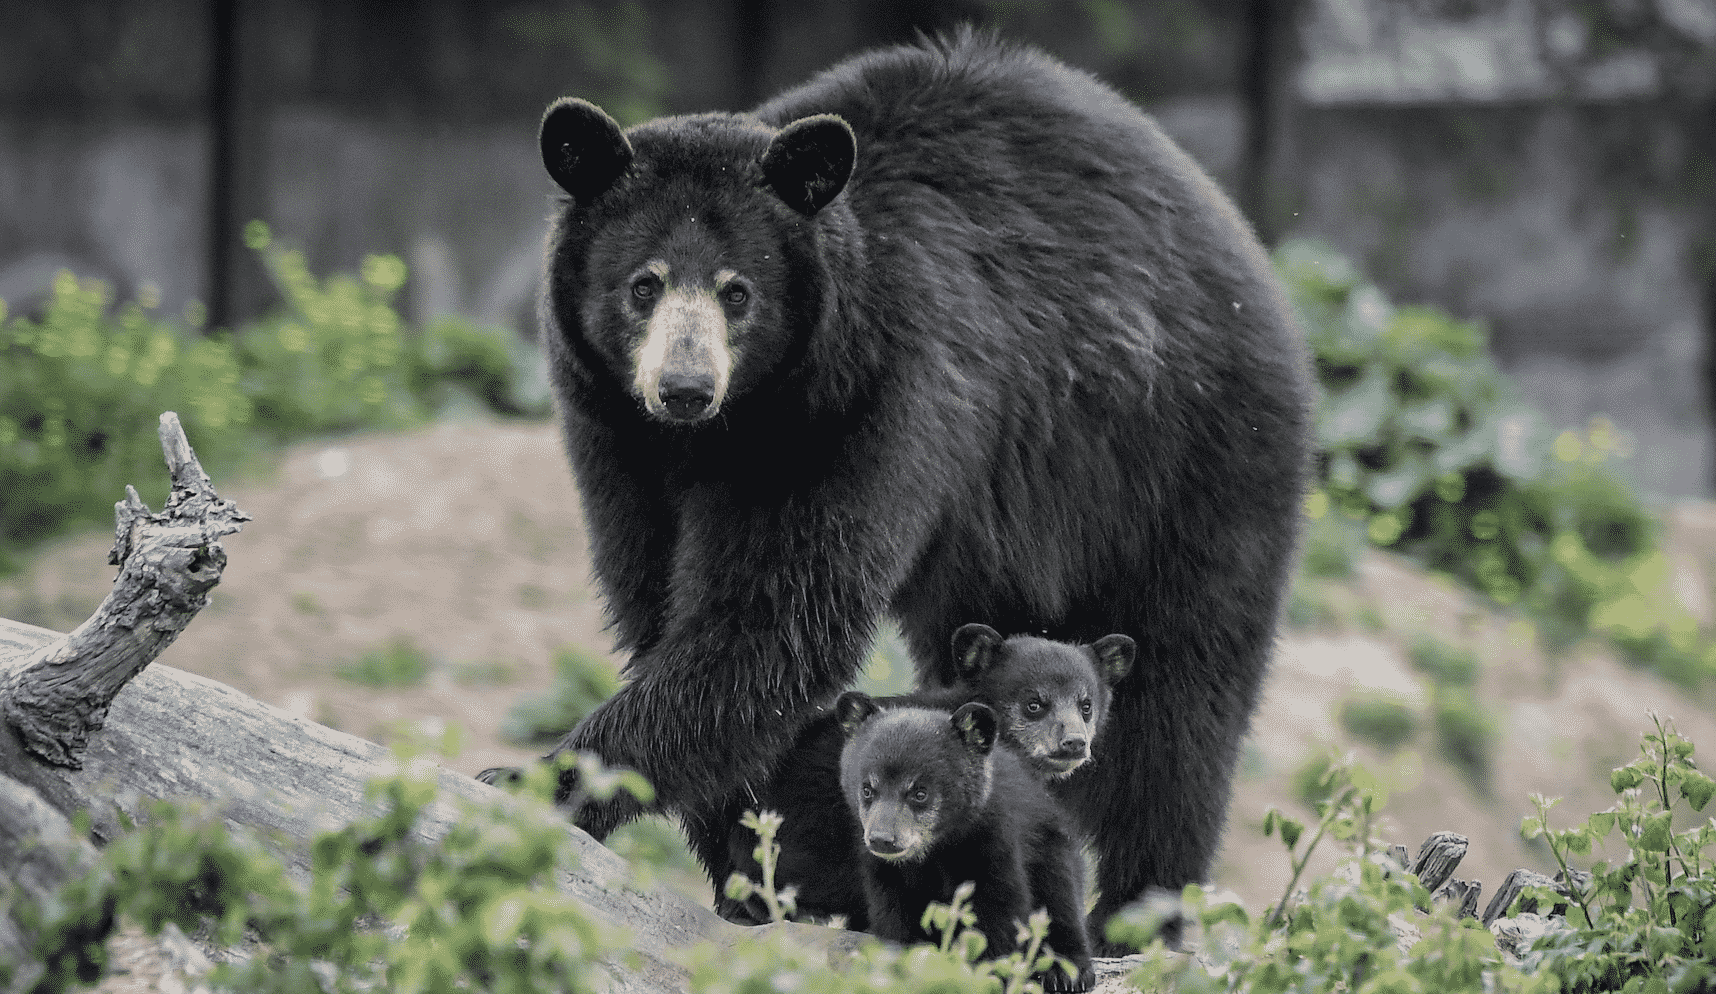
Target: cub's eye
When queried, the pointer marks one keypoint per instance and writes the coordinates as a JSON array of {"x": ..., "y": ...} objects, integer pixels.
[
  {"x": 644, "y": 289},
  {"x": 1084, "y": 708},
  {"x": 1034, "y": 708},
  {"x": 866, "y": 793},
  {"x": 735, "y": 295},
  {"x": 920, "y": 795}
]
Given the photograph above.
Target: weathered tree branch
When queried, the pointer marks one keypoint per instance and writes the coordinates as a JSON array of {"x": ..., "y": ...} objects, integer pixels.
[{"x": 168, "y": 563}]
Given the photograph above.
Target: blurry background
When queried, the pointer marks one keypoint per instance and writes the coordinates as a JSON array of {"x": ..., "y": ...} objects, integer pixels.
[
  {"x": 313, "y": 227},
  {"x": 1548, "y": 165}
]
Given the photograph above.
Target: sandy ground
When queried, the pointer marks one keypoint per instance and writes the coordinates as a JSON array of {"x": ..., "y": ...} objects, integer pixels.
[{"x": 465, "y": 538}]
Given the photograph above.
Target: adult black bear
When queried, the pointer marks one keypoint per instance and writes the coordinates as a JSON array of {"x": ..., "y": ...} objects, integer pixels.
[
  {"x": 1050, "y": 698},
  {"x": 949, "y": 332},
  {"x": 940, "y": 806}
]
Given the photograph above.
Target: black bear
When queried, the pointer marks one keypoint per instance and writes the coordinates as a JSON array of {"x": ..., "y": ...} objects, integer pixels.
[
  {"x": 951, "y": 331},
  {"x": 1050, "y": 697},
  {"x": 937, "y": 806}
]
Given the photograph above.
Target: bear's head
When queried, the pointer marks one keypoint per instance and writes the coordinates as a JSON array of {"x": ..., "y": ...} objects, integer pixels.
[
  {"x": 914, "y": 777},
  {"x": 686, "y": 266},
  {"x": 1052, "y": 696}
]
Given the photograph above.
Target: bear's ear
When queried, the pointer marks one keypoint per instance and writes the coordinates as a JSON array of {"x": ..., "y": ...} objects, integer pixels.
[
  {"x": 853, "y": 709},
  {"x": 976, "y": 723},
  {"x": 1114, "y": 656},
  {"x": 809, "y": 161},
  {"x": 974, "y": 649},
  {"x": 583, "y": 148}
]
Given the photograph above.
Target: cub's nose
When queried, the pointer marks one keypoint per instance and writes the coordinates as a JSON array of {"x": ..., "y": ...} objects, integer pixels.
[
  {"x": 883, "y": 845},
  {"x": 687, "y": 396}
]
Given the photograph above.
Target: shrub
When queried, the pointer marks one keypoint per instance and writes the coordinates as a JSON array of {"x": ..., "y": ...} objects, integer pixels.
[
  {"x": 1382, "y": 719},
  {"x": 1427, "y": 446},
  {"x": 399, "y": 663},
  {"x": 581, "y": 681},
  {"x": 81, "y": 390}
]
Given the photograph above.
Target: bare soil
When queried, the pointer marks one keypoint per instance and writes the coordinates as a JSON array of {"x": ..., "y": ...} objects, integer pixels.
[{"x": 466, "y": 538}]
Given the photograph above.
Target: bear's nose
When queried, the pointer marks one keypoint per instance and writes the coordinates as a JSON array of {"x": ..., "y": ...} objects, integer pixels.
[
  {"x": 687, "y": 396},
  {"x": 882, "y": 845}
]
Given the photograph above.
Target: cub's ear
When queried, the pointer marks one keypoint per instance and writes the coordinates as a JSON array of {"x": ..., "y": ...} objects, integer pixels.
[
  {"x": 975, "y": 724},
  {"x": 1114, "y": 656},
  {"x": 809, "y": 161},
  {"x": 583, "y": 148},
  {"x": 853, "y": 709},
  {"x": 974, "y": 648}
]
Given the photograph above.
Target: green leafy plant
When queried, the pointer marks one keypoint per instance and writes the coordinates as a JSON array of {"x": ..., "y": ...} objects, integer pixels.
[
  {"x": 581, "y": 681},
  {"x": 398, "y": 663},
  {"x": 384, "y": 908},
  {"x": 1429, "y": 449},
  {"x": 1339, "y": 934},
  {"x": 1645, "y": 920},
  {"x": 1380, "y": 718},
  {"x": 81, "y": 390}
]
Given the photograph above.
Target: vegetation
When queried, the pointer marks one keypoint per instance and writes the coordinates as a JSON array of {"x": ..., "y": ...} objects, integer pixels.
[
  {"x": 479, "y": 910},
  {"x": 1644, "y": 922},
  {"x": 1428, "y": 450},
  {"x": 81, "y": 386}
]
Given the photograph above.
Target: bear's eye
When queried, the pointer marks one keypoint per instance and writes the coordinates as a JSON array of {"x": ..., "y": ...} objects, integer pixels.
[
  {"x": 866, "y": 793},
  {"x": 1034, "y": 708},
  {"x": 644, "y": 288},
  {"x": 735, "y": 295},
  {"x": 1084, "y": 708},
  {"x": 920, "y": 795}
]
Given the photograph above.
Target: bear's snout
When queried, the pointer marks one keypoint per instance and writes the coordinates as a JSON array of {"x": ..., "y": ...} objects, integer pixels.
[{"x": 686, "y": 396}]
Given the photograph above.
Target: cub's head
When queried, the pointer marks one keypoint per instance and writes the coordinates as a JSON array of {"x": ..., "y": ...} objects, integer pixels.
[
  {"x": 683, "y": 269},
  {"x": 1052, "y": 696},
  {"x": 914, "y": 776}
]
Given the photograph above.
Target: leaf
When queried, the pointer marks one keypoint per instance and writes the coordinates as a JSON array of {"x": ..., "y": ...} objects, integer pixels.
[
  {"x": 1530, "y": 827},
  {"x": 1654, "y": 834},
  {"x": 1601, "y": 824},
  {"x": 1697, "y": 788},
  {"x": 1625, "y": 778},
  {"x": 1291, "y": 829},
  {"x": 1357, "y": 414}
]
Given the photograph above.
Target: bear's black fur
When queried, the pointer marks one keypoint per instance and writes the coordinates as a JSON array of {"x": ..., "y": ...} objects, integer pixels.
[
  {"x": 1050, "y": 697},
  {"x": 951, "y": 331},
  {"x": 937, "y": 806}
]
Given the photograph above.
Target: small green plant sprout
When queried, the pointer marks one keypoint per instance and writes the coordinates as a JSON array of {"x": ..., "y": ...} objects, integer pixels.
[
  {"x": 1645, "y": 921},
  {"x": 782, "y": 904},
  {"x": 1349, "y": 799},
  {"x": 397, "y": 663},
  {"x": 954, "y": 922}
]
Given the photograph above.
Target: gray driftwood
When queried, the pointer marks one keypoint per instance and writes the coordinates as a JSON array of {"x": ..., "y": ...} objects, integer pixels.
[{"x": 70, "y": 741}]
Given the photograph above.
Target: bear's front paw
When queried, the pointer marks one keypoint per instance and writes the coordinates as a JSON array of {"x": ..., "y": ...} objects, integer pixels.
[
  {"x": 501, "y": 776},
  {"x": 1056, "y": 979}
]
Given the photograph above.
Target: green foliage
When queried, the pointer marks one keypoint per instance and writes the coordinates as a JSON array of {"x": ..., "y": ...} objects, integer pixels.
[
  {"x": 1646, "y": 920},
  {"x": 1466, "y": 734},
  {"x": 1429, "y": 449},
  {"x": 951, "y": 965},
  {"x": 398, "y": 663},
  {"x": 1380, "y": 718},
  {"x": 581, "y": 681},
  {"x": 781, "y": 903},
  {"x": 1447, "y": 665},
  {"x": 81, "y": 390},
  {"x": 384, "y": 907}
]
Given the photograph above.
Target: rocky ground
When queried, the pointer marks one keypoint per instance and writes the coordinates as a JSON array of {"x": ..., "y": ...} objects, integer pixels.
[{"x": 465, "y": 539}]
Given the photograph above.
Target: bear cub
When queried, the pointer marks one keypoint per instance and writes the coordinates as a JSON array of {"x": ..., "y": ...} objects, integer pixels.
[
  {"x": 938, "y": 805},
  {"x": 1050, "y": 697}
]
